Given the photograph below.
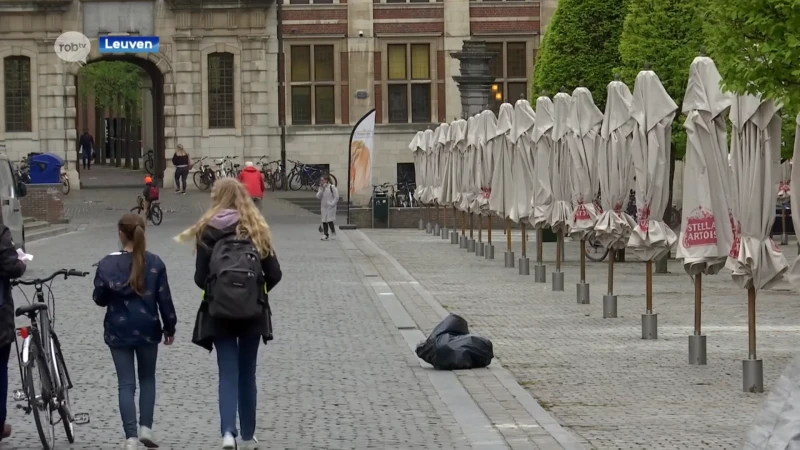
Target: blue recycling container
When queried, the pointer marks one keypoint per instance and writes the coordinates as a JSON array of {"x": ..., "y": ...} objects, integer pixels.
[{"x": 46, "y": 168}]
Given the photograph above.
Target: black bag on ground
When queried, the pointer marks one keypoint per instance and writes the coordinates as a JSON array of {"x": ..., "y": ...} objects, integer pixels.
[
  {"x": 236, "y": 280},
  {"x": 451, "y": 346}
]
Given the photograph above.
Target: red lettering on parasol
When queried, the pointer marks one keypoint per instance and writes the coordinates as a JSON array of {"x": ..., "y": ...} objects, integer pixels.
[
  {"x": 701, "y": 229},
  {"x": 783, "y": 187},
  {"x": 644, "y": 218},
  {"x": 775, "y": 246},
  {"x": 598, "y": 208},
  {"x": 486, "y": 192},
  {"x": 580, "y": 211},
  {"x": 737, "y": 236}
]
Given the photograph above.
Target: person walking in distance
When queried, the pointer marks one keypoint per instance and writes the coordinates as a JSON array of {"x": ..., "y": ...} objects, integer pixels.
[
  {"x": 132, "y": 285},
  {"x": 10, "y": 267},
  {"x": 328, "y": 196},
  {"x": 86, "y": 143},
  {"x": 182, "y": 162},
  {"x": 253, "y": 180},
  {"x": 235, "y": 266}
]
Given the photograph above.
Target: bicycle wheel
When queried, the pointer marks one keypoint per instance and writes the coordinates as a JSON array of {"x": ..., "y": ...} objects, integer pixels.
[
  {"x": 148, "y": 165},
  {"x": 65, "y": 185},
  {"x": 595, "y": 252},
  {"x": 200, "y": 181},
  {"x": 277, "y": 181},
  {"x": 156, "y": 215},
  {"x": 333, "y": 179},
  {"x": 39, "y": 404},
  {"x": 64, "y": 385},
  {"x": 137, "y": 209},
  {"x": 295, "y": 182}
]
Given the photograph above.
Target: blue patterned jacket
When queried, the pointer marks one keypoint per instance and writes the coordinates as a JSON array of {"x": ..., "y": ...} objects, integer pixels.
[{"x": 133, "y": 319}]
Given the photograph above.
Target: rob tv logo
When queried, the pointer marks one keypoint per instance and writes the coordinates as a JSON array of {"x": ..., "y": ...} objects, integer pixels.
[{"x": 128, "y": 44}]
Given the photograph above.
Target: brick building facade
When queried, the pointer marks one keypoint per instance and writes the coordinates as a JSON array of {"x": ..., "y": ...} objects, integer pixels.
[{"x": 219, "y": 67}]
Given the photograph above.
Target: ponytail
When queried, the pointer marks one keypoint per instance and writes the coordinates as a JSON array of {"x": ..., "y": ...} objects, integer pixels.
[{"x": 132, "y": 227}]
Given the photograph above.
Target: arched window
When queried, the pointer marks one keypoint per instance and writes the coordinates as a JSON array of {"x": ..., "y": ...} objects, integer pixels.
[
  {"x": 220, "y": 91},
  {"x": 17, "y": 92}
]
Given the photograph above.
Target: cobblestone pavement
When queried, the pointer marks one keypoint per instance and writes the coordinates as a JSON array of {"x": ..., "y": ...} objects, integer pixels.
[
  {"x": 596, "y": 375},
  {"x": 339, "y": 374}
]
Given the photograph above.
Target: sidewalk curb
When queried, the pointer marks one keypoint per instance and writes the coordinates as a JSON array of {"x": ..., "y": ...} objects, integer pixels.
[{"x": 562, "y": 435}]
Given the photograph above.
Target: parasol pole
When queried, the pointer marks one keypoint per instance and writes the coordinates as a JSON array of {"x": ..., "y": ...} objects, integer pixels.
[
  {"x": 479, "y": 250},
  {"x": 489, "y": 247},
  {"x": 558, "y": 275},
  {"x": 509, "y": 255},
  {"x": 582, "y": 288},
  {"x": 784, "y": 236},
  {"x": 471, "y": 238},
  {"x": 752, "y": 368},
  {"x": 440, "y": 230},
  {"x": 649, "y": 320},
  {"x": 540, "y": 271},
  {"x": 462, "y": 241},
  {"x": 697, "y": 341},
  {"x": 610, "y": 300},
  {"x": 428, "y": 225},
  {"x": 454, "y": 231},
  {"x": 524, "y": 262}
]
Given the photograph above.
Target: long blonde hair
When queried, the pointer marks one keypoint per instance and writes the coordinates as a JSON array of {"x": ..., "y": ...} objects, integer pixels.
[
  {"x": 180, "y": 150},
  {"x": 228, "y": 193}
]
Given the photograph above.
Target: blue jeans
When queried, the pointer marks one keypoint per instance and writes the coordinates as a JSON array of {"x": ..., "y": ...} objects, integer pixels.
[
  {"x": 5, "y": 352},
  {"x": 236, "y": 358},
  {"x": 146, "y": 357}
]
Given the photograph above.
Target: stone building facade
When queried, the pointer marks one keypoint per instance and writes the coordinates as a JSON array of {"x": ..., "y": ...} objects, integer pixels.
[{"x": 219, "y": 64}]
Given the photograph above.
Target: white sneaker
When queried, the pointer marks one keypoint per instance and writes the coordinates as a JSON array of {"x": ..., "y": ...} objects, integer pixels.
[
  {"x": 250, "y": 445},
  {"x": 228, "y": 442},
  {"x": 147, "y": 438},
  {"x": 130, "y": 444}
]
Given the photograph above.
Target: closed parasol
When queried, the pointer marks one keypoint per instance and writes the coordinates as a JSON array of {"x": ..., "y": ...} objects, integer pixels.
[
  {"x": 756, "y": 261},
  {"x": 706, "y": 232},
  {"x": 794, "y": 197},
  {"x": 417, "y": 147},
  {"x": 458, "y": 147},
  {"x": 560, "y": 181},
  {"x": 615, "y": 176},
  {"x": 501, "y": 199},
  {"x": 469, "y": 188},
  {"x": 441, "y": 153},
  {"x": 542, "y": 140},
  {"x": 522, "y": 173},
  {"x": 653, "y": 111},
  {"x": 784, "y": 194},
  {"x": 484, "y": 166},
  {"x": 583, "y": 139}
]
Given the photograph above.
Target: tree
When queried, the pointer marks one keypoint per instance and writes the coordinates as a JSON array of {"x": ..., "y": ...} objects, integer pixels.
[
  {"x": 581, "y": 44},
  {"x": 112, "y": 84},
  {"x": 756, "y": 45}
]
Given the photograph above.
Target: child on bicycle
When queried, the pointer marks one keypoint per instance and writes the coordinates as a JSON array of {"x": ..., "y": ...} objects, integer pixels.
[{"x": 149, "y": 195}]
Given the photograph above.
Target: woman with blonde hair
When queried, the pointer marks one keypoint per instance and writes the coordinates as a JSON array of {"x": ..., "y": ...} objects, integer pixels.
[
  {"x": 236, "y": 266},
  {"x": 182, "y": 163}
]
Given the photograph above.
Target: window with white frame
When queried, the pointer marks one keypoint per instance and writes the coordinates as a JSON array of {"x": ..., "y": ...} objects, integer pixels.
[
  {"x": 408, "y": 83},
  {"x": 510, "y": 70},
  {"x": 312, "y": 89}
]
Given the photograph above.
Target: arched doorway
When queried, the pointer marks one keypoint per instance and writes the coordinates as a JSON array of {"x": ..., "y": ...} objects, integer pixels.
[{"x": 159, "y": 72}]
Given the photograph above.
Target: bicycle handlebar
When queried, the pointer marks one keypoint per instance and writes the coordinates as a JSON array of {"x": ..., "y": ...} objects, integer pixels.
[{"x": 39, "y": 281}]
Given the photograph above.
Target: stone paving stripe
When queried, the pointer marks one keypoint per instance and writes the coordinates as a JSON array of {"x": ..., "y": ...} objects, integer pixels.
[
  {"x": 470, "y": 417},
  {"x": 545, "y": 419},
  {"x": 413, "y": 338},
  {"x": 399, "y": 316},
  {"x": 559, "y": 433}
]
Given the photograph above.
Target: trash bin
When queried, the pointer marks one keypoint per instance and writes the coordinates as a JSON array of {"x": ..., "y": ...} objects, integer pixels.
[
  {"x": 46, "y": 168},
  {"x": 380, "y": 206}
]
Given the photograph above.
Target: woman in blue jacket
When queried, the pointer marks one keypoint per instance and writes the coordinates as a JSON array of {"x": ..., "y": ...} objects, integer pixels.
[{"x": 132, "y": 285}]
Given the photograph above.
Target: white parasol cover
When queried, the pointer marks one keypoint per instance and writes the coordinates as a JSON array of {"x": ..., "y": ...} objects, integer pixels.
[
  {"x": 794, "y": 272},
  {"x": 501, "y": 199},
  {"x": 418, "y": 147},
  {"x": 441, "y": 151},
  {"x": 522, "y": 165},
  {"x": 583, "y": 139},
  {"x": 785, "y": 186},
  {"x": 653, "y": 110},
  {"x": 615, "y": 168},
  {"x": 430, "y": 162},
  {"x": 755, "y": 259},
  {"x": 542, "y": 141},
  {"x": 469, "y": 188},
  {"x": 706, "y": 229},
  {"x": 486, "y": 134},
  {"x": 458, "y": 148},
  {"x": 561, "y": 166}
]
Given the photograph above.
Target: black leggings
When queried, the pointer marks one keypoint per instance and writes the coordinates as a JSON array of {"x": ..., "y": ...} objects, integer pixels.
[
  {"x": 180, "y": 175},
  {"x": 328, "y": 225}
]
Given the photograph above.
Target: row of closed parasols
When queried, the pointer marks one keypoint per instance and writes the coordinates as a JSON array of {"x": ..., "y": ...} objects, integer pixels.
[{"x": 567, "y": 166}]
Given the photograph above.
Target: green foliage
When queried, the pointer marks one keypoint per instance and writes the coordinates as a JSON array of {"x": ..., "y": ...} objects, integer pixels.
[
  {"x": 581, "y": 44},
  {"x": 667, "y": 35},
  {"x": 113, "y": 84},
  {"x": 756, "y": 45}
]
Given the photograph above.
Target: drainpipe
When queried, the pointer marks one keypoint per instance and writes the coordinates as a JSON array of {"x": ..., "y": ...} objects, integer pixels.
[{"x": 281, "y": 84}]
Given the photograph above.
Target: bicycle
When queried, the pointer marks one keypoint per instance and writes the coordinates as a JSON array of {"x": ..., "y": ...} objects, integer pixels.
[
  {"x": 308, "y": 176},
  {"x": 385, "y": 188},
  {"x": 23, "y": 170},
  {"x": 149, "y": 161},
  {"x": 225, "y": 167},
  {"x": 203, "y": 177},
  {"x": 154, "y": 215},
  {"x": 595, "y": 251},
  {"x": 65, "y": 187},
  {"x": 270, "y": 174},
  {"x": 404, "y": 193},
  {"x": 41, "y": 355}
]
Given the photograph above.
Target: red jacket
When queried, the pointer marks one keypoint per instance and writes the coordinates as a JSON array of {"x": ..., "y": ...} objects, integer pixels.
[{"x": 253, "y": 180}]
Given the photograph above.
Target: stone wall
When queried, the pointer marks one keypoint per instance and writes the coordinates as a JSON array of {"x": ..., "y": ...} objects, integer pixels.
[{"x": 44, "y": 202}]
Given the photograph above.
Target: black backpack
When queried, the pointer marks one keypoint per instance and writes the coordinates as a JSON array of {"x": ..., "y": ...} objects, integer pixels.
[{"x": 235, "y": 281}]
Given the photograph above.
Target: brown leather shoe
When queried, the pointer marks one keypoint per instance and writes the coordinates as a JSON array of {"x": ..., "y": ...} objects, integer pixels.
[{"x": 6, "y": 431}]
